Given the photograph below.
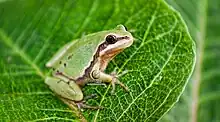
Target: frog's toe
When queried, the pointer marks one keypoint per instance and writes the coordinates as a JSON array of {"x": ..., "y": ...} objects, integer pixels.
[
  {"x": 115, "y": 74},
  {"x": 91, "y": 96},
  {"x": 97, "y": 83},
  {"x": 82, "y": 105},
  {"x": 116, "y": 81}
]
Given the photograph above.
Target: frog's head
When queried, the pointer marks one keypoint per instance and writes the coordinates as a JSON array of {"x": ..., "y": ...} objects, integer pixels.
[{"x": 116, "y": 40}]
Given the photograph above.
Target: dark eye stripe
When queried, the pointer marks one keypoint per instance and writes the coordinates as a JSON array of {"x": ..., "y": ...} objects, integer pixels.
[{"x": 123, "y": 37}]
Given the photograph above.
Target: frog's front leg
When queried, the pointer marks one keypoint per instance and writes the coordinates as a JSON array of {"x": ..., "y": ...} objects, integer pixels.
[{"x": 108, "y": 78}]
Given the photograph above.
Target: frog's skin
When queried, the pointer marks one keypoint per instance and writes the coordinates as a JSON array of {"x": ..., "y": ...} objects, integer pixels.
[{"x": 84, "y": 60}]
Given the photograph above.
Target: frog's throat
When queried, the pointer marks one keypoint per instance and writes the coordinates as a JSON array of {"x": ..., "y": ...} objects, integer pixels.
[{"x": 104, "y": 59}]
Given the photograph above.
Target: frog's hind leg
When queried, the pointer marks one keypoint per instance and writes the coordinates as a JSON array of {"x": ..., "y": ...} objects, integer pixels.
[
  {"x": 75, "y": 109},
  {"x": 82, "y": 104},
  {"x": 65, "y": 88},
  {"x": 69, "y": 92}
]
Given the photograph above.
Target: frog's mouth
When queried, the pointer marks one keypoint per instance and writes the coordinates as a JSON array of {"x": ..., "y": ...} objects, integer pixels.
[
  {"x": 122, "y": 43},
  {"x": 111, "y": 54}
]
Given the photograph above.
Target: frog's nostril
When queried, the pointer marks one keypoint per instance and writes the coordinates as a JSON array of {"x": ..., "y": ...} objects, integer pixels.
[
  {"x": 123, "y": 37},
  {"x": 126, "y": 37}
]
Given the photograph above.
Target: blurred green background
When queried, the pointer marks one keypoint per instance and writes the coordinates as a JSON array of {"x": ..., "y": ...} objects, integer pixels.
[{"x": 200, "y": 101}]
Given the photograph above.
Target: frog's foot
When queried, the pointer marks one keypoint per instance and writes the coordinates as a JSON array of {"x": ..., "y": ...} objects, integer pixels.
[
  {"x": 74, "y": 107},
  {"x": 108, "y": 78},
  {"x": 82, "y": 104},
  {"x": 114, "y": 73},
  {"x": 91, "y": 96},
  {"x": 96, "y": 83},
  {"x": 116, "y": 81}
]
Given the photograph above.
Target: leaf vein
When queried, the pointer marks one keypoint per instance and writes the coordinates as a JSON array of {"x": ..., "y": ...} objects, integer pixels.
[
  {"x": 171, "y": 54},
  {"x": 55, "y": 29},
  {"x": 7, "y": 40},
  {"x": 88, "y": 17}
]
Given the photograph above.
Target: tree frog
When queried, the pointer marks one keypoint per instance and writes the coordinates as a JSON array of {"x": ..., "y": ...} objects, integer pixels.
[{"x": 84, "y": 60}]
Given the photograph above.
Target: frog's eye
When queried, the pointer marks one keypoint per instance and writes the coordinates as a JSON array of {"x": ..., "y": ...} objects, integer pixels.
[{"x": 111, "y": 39}]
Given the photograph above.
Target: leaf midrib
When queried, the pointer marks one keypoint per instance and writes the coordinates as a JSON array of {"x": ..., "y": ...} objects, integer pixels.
[{"x": 8, "y": 41}]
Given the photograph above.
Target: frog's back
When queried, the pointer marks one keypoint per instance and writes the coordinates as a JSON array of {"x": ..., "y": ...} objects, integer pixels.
[{"x": 78, "y": 56}]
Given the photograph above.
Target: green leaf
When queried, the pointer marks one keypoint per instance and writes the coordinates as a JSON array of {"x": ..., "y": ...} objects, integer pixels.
[
  {"x": 200, "y": 103},
  {"x": 159, "y": 63}
]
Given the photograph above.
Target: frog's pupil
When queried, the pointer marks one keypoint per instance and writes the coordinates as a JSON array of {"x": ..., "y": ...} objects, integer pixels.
[{"x": 111, "y": 39}]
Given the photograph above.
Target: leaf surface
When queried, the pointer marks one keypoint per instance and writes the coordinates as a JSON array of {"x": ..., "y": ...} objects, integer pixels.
[{"x": 159, "y": 63}]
